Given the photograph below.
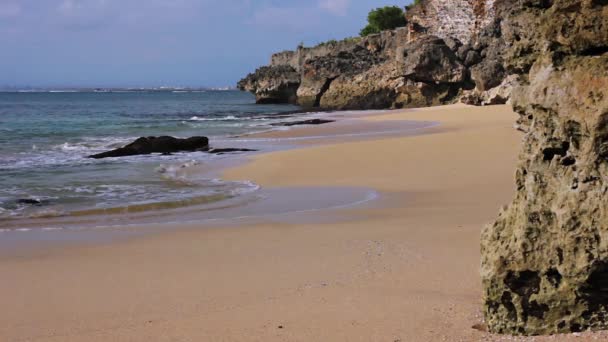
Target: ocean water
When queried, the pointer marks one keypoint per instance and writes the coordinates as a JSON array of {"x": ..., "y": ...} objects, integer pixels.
[{"x": 45, "y": 137}]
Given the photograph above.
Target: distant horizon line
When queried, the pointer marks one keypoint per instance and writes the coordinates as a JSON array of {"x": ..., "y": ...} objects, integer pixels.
[{"x": 109, "y": 89}]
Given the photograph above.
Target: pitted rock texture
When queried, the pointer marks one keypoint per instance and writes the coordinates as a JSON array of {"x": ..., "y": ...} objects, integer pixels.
[
  {"x": 461, "y": 19},
  {"x": 430, "y": 60},
  {"x": 426, "y": 73},
  {"x": 545, "y": 259},
  {"x": 497, "y": 95}
]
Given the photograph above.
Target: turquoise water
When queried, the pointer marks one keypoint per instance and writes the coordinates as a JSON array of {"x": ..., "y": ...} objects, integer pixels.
[{"x": 45, "y": 137}]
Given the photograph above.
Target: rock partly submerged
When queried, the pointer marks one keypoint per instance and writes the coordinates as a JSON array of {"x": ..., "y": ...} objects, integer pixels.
[
  {"x": 303, "y": 122},
  {"x": 31, "y": 201},
  {"x": 162, "y": 144},
  {"x": 545, "y": 259},
  {"x": 166, "y": 145},
  {"x": 229, "y": 150}
]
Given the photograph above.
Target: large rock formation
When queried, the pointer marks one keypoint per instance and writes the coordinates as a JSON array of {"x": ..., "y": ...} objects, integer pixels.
[
  {"x": 272, "y": 84},
  {"x": 311, "y": 71},
  {"x": 545, "y": 259},
  {"x": 320, "y": 72},
  {"x": 379, "y": 71},
  {"x": 397, "y": 68},
  {"x": 423, "y": 72},
  {"x": 430, "y": 60}
]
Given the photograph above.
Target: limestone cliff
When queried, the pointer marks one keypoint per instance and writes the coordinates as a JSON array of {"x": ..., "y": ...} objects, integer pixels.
[
  {"x": 377, "y": 71},
  {"x": 272, "y": 84},
  {"x": 545, "y": 259},
  {"x": 387, "y": 70},
  {"x": 460, "y": 19}
]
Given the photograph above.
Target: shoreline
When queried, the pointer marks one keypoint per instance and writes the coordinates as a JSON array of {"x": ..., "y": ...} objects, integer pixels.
[
  {"x": 348, "y": 126},
  {"x": 403, "y": 269}
]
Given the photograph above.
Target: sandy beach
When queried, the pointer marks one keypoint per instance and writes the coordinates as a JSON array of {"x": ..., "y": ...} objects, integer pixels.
[{"x": 403, "y": 269}]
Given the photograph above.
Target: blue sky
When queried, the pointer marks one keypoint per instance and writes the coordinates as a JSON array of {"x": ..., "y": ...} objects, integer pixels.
[{"x": 161, "y": 42}]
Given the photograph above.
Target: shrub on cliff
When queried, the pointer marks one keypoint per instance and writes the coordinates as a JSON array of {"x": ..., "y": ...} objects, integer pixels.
[{"x": 383, "y": 18}]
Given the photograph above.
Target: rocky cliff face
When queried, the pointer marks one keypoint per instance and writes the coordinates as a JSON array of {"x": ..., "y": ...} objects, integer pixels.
[
  {"x": 460, "y": 19},
  {"x": 272, "y": 84},
  {"x": 545, "y": 259},
  {"x": 338, "y": 62},
  {"x": 379, "y": 71},
  {"x": 396, "y": 69}
]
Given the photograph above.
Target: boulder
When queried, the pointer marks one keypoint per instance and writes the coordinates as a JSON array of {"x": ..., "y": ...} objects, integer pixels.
[
  {"x": 163, "y": 144},
  {"x": 272, "y": 84},
  {"x": 487, "y": 74},
  {"x": 463, "y": 51},
  {"x": 472, "y": 58},
  {"x": 430, "y": 60},
  {"x": 497, "y": 95},
  {"x": 453, "y": 43},
  {"x": 31, "y": 201}
]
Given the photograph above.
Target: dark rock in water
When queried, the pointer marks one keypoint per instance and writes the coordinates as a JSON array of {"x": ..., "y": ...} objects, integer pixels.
[
  {"x": 304, "y": 122},
  {"x": 30, "y": 201},
  {"x": 164, "y": 144},
  {"x": 229, "y": 150}
]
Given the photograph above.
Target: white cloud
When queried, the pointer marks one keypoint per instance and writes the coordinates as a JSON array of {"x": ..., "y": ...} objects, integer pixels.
[
  {"x": 9, "y": 9},
  {"x": 338, "y": 7}
]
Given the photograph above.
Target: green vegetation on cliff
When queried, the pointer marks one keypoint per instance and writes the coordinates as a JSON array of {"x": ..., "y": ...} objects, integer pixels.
[{"x": 383, "y": 18}]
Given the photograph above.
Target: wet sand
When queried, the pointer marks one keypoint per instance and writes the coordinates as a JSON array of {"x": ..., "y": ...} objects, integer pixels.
[{"x": 403, "y": 269}]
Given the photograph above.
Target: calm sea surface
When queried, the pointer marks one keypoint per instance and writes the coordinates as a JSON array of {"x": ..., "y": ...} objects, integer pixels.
[{"x": 45, "y": 137}]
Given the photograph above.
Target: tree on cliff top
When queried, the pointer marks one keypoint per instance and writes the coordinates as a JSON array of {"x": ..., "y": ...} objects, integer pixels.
[{"x": 384, "y": 18}]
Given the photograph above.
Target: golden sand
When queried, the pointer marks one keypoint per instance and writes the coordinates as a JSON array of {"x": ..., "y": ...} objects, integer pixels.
[{"x": 405, "y": 269}]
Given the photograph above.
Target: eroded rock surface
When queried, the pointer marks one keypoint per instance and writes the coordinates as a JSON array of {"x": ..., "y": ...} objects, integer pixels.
[
  {"x": 430, "y": 60},
  {"x": 272, "y": 84},
  {"x": 319, "y": 73},
  {"x": 425, "y": 72},
  {"x": 545, "y": 259},
  {"x": 448, "y": 48}
]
